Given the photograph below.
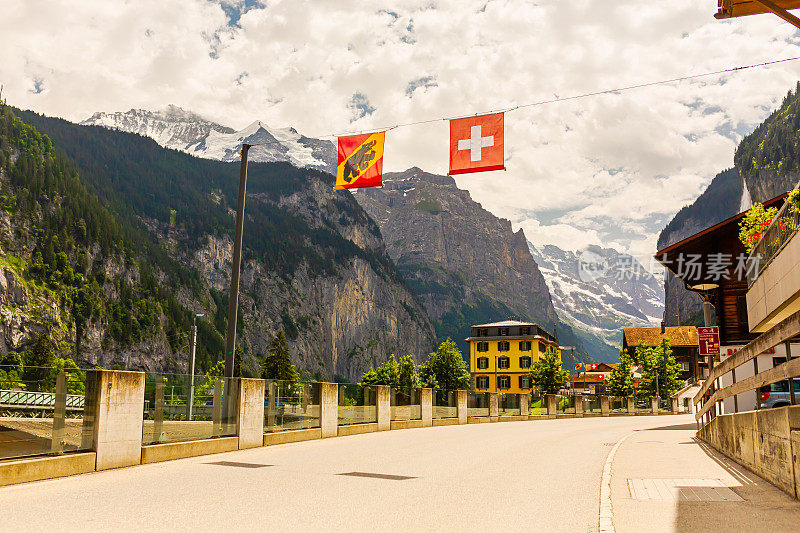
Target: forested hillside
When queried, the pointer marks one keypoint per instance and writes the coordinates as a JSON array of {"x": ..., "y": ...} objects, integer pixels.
[{"x": 314, "y": 263}]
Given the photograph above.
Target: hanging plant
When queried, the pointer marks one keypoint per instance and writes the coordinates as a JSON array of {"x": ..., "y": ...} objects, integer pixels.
[{"x": 754, "y": 223}]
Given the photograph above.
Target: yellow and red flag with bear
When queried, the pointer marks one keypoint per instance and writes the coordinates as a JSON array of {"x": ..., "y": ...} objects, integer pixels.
[{"x": 360, "y": 161}]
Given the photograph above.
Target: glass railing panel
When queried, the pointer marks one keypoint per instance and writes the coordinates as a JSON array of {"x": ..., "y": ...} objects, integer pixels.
[
  {"x": 591, "y": 404},
  {"x": 445, "y": 404},
  {"x": 357, "y": 405},
  {"x": 405, "y": 403},
  {"x": 642, "y": 404},
  {"x": 291, "y": 405},
  {"x": 509, "y": 404},
  {"x": 477, "y": 403},
  {"x": 180, "y": 407},
  {"x": 538, "y": 404},
  {"x": 565, "y": 404},
  {"x": 41, "y": 411},
  {"x": 618, "y": 404}
]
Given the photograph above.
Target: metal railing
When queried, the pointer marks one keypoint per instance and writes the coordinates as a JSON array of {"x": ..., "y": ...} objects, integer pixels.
[{"x": 783, "y": 227}]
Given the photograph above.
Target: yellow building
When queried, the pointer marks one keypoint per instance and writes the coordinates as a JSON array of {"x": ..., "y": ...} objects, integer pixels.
[{"x": 501, "y": 355}]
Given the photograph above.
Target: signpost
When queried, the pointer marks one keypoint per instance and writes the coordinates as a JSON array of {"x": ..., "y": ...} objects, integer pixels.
[{"x": 709, "y": 341}]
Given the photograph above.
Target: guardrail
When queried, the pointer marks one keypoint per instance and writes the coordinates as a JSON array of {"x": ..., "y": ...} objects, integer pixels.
[
  {"x": 781, "y": 333},
  {"x": 36, "y": 400}
]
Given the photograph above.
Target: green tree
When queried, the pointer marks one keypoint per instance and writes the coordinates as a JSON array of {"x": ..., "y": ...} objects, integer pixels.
[
  {"x": 387, "y": 373},
  {"x": 278, "y": 364},
  {"x": 546, "y": 373},
  {"x": 39, "y": 361},
  {"x": 660, "y": 372},
  {"x": 407, "y": 374},
  {"x": 620, "y": 382},
  {"x": 445, "y": 368}
]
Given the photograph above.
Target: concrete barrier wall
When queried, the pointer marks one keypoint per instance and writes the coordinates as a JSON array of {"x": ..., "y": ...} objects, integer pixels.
[{"x": 766, "y": 442}]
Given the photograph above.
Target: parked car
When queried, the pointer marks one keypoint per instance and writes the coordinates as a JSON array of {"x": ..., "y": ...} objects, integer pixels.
[{"x": 777, "y": 394}]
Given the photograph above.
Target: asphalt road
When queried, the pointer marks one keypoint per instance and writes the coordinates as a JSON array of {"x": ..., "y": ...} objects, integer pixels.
[{"x": 534, "y": 476}]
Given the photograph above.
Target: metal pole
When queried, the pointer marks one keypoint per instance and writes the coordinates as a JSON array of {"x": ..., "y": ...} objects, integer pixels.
[
  {"x": 193, "y": 345},
  {"x": 790, "y": 380},
  {"x": 233, "y": 302},
  {"x": 735, "y": 396},
  {"x": 758, "y": 392},
  {"x": 707, "y": 323}
]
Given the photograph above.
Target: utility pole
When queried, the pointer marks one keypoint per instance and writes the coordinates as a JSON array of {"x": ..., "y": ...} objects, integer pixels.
[
  {"x": 233, "y": 302},
  {"x": 192, "y": 346}
]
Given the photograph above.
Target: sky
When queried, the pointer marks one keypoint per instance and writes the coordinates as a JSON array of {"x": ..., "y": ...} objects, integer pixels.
[{"x": 607, "y": 170}]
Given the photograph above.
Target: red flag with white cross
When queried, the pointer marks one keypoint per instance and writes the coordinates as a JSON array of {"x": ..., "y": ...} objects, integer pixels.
[{"x": 476, "y": 144}]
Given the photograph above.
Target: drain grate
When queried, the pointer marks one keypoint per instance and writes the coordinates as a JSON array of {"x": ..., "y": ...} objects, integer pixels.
[
  {"x": 376, "y": 476},
  {"x": 239, "y": 465},
  {"x": 698, "y": 490}
]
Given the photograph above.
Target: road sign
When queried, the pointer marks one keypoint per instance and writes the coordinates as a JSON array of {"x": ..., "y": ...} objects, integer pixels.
[{"x": 709, "y": 340}]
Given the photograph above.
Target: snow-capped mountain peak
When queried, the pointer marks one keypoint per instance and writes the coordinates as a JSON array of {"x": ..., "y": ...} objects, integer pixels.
[
  {"x": 177, "y": 128},
  {"x": 599, "y": 290}
]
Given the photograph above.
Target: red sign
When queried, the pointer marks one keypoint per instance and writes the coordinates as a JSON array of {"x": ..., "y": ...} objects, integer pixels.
[
  {"x": 593, "y": 367},
  {"x": 709, "y": 340},
  {"x": 602, "y": 376},
  {"x": 578, "y": 366},
  {"x": 476, "y": 144}
]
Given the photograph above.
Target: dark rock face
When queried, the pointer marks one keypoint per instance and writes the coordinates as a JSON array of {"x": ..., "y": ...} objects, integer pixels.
[{"x": 464, "y": 264}]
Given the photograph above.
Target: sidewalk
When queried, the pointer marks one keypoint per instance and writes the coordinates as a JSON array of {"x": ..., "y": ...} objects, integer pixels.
[{"x": 665, "y": 480}]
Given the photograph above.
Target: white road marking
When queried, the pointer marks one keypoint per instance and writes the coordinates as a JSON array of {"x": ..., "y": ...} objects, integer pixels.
[{"x": 606, "y": 514}]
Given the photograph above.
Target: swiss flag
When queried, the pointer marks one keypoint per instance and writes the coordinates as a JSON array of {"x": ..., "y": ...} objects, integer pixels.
[{"x": 476, "y": 144}]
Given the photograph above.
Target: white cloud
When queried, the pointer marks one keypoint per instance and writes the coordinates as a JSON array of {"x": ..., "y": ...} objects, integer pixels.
[{"x": 609, "y": 169}]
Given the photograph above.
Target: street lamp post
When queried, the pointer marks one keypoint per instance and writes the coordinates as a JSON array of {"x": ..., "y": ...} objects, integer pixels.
[
  {"x": 192, "y": 346},
  {"x": 233, "y": 302}
]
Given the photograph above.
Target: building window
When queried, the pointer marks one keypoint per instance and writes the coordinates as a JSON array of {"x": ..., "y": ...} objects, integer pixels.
[
  {"x": 483, "y": 362},
  {"x": 685, "y": 367},
  {"x": 503, "y": 362},
  {"x": 504, "y": 332},
  {"x": 483, "y": 332},
  {"x": 525, "y": 330},
  {"x": 524, "y": 346},
  {"x": 542, "y": 347},
  {"x": 503, "y": 346},
  {"x": 524, "y": 382},
  {"x": 525, "y": 362},
  {"x": 483, "y": 347},
  {"x": 482, "y": 382},
  {"x": 504, "y": 382}
]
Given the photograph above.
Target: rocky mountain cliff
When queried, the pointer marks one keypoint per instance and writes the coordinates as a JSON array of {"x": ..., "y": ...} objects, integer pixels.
[
  {"x": 314, "y": 262},
  {"x": 600, "y": 302},
  {"x": 466, "y": 265},
  {"x": 188, "y": 132}
]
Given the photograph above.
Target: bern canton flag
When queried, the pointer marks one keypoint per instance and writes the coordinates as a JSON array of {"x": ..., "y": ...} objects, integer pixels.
[
  {"x": 360, "y": 161},
  {"x": 476, "y": 144}
]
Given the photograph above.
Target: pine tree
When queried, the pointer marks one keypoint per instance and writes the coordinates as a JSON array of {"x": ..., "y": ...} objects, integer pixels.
[
  {"x": 278, "y": 364},
  {"x": 547, "y": 374}
]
